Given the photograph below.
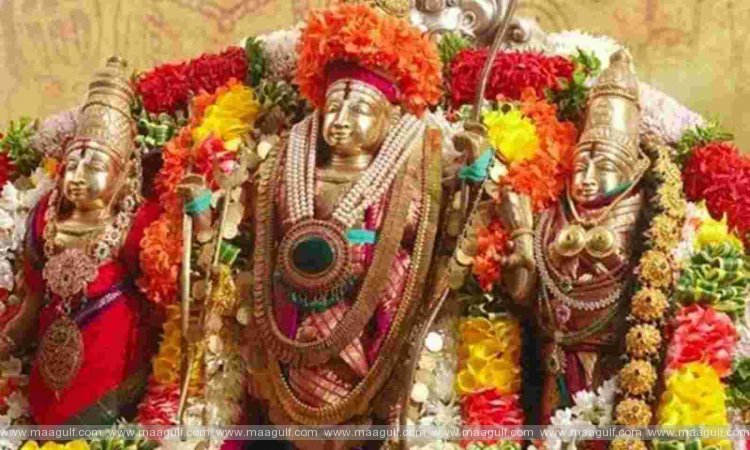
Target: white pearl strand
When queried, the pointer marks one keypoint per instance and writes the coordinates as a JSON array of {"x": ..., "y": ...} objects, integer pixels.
[{"x": 373, "y": 183}]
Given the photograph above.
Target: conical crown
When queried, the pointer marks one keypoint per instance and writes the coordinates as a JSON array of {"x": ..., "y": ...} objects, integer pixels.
[
  {"x": 613, "y": 115},
  {"x": 105, "y": 121}
]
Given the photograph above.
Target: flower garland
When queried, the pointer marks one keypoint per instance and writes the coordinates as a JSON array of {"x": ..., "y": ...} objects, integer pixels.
[
  {"x": 352, "y": 33},
  {"x": 167, "y": 88},
  {"x": 512, "y": 73},
  {"x": 706, "y": 361},
  {"x": 538, "y": 146},
  {"x": 649, "y": 305},
  {"x": 215, "y": 131},
  {"x": 489, "y": 376}
]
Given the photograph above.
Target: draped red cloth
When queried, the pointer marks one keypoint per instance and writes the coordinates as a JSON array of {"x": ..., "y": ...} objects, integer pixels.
[{"x": 118, "y": 338}]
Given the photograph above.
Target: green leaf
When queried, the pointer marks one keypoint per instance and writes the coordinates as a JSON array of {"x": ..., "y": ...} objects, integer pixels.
[
  {"x": 450, "y": 45},
  {"x": 257, "y": 61},
  {"x": 700, "y": 136}
]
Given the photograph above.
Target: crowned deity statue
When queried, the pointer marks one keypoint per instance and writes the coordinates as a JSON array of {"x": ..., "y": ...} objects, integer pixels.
[
  {"x": 346, "y": 226},
  {"x": 81, "y": 310},
  {"x": 573, "y": 268}
]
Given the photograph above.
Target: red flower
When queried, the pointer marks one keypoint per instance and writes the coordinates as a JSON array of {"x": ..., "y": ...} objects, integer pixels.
[
  {"x": 720, "y": 175},
  {"x": 489, "y": 408},
  {"x": 492, "y": 244},
  {"x": 167, "y": 88},
  {"x": 702, "y": 335},
  {"x": 7, "y": 168},
  {"x": 512, "y": 74}
]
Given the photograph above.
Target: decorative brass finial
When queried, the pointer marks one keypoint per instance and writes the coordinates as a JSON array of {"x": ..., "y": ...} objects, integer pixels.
[
  {"x": 395, "y": 8},
  {"x": 105, "y": 121},
  {"x": 613, "y": 116}
]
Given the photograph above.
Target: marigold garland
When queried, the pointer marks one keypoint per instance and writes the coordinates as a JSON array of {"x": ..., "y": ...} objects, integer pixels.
[
  {"x": 492, "y": 244},
  {"x": 543, "y": 176},
  {"x": 357, "y": 33}
]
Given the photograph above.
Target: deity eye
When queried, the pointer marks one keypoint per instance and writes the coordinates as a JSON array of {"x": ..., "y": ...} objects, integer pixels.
[
  {"x": 363, "y": 108},
  {"x": 332, "y": 106}
]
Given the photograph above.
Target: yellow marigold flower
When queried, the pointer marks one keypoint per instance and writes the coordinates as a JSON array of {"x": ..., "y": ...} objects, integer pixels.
[
  {"x": 77, "y": 445},
  {"x": 475, "y": 330},
  {"x": 30, "y": 445},
  {"x": 511, "y": 134},
  {"x": 715, "y": 232},
  {"x": 230, "y": 117},
  {"x": 694, "y": 395}
]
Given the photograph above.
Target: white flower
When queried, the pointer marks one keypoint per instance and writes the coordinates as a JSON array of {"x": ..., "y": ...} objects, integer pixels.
[
  {"x": 567, "y": 43},
  {"x": 18, "y": 405},
  {"x": 281, "y": 48},
  {"x": 664, "y": 116},
  {"x": 441, "y": 415},
  {"x": 445, "y": 374}
]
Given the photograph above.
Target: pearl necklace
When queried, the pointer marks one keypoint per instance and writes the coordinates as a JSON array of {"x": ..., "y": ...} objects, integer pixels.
[
  {"x": 373, "y": 183},
  {"x": 313, "y": 256}
]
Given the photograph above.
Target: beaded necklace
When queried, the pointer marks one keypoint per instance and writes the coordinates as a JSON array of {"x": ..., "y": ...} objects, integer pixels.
[{"x": 313, "y": 259}]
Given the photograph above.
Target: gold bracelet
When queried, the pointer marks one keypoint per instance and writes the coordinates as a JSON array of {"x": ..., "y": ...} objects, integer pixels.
[{"x": 521, "y": 232}]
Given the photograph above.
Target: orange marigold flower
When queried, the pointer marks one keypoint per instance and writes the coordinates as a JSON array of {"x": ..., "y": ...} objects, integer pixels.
[
  {"x": 543, "y": 176},
  {"x": 492, "y": 244},
  {"x": 387, "y": 45}
]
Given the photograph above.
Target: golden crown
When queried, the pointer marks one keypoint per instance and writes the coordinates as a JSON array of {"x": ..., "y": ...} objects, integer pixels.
[
  {"x": 105, "y": 121},
  {"x": 613, "y": 116}
]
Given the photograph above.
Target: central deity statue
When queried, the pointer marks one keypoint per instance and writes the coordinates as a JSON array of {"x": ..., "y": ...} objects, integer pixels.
[
  {"x": 346, "y": 217},
  {"x": 581, "y": 251}
]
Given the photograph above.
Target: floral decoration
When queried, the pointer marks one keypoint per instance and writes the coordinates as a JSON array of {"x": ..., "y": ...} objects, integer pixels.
[
  {"x": 167, "y": 88},
  {"x": 512, "y": 74},
  {"x": 492, "y": 245},
  {"x": 346, "y": 33}
]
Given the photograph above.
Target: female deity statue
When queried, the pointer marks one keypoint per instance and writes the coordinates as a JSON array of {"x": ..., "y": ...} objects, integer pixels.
[
  {"x": 575, "y": 266},
  {"x": 81, "y": 307}
]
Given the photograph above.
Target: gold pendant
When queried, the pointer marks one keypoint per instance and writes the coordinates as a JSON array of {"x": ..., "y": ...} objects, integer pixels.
[
  {"x": 60, "y": 353},
  {"x": 69, "y": 272}
]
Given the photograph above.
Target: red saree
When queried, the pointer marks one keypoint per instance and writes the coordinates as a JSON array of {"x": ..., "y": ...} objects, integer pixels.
[{"x": 119, "y": 334}]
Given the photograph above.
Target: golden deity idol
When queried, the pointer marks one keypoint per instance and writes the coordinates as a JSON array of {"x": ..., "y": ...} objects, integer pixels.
[
  {"x": 80, "y": 305},
  {"x": 577, "y": 262},
  {"x": 345, "y": 213}
]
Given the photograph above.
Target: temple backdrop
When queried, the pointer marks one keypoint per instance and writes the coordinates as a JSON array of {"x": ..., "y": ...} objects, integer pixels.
[{"x": 695, "y": 50}]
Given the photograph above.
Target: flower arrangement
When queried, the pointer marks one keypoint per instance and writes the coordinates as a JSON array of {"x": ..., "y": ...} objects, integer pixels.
[
  {"x": 345, "y": 33},
  {"x": 167, "y": 88},
  {"x": 590, "y": 408},
  {"x": 489, "y": 375},
  {"x": 649, "y": 305},
  {"x": 537, "y": 146},
  {"x": 512, "y": 74}
]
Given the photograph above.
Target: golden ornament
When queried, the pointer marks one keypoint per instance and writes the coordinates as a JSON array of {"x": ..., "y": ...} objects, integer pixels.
[
  {"x": 655, "y": 269},
  {"x": 638, "y": 377},
  {"x": 649, "y": 304},
  {"x": 633, "y": 412},
  {"x": 671, "y": 200},
  {"x": 643, "y": 341},
  {"x": 665, "y": 232},
  {"x": 628, "y": 444}
]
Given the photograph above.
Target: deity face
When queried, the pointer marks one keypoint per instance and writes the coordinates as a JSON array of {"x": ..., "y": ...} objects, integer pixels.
[
  {"x": 90, "y": 178},
  {"x": 476, "y": 18},
  {"x": 597, "y": 175},
  {"x": 355, "y": 118}
]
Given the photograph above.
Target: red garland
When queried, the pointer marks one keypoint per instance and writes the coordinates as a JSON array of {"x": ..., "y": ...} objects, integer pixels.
[
  {"x": 720, "y": 175},
  {"x": 488, "y": 408},
  {"x": 167, "y": 88},
  {"x": 512, "y": 73}
]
